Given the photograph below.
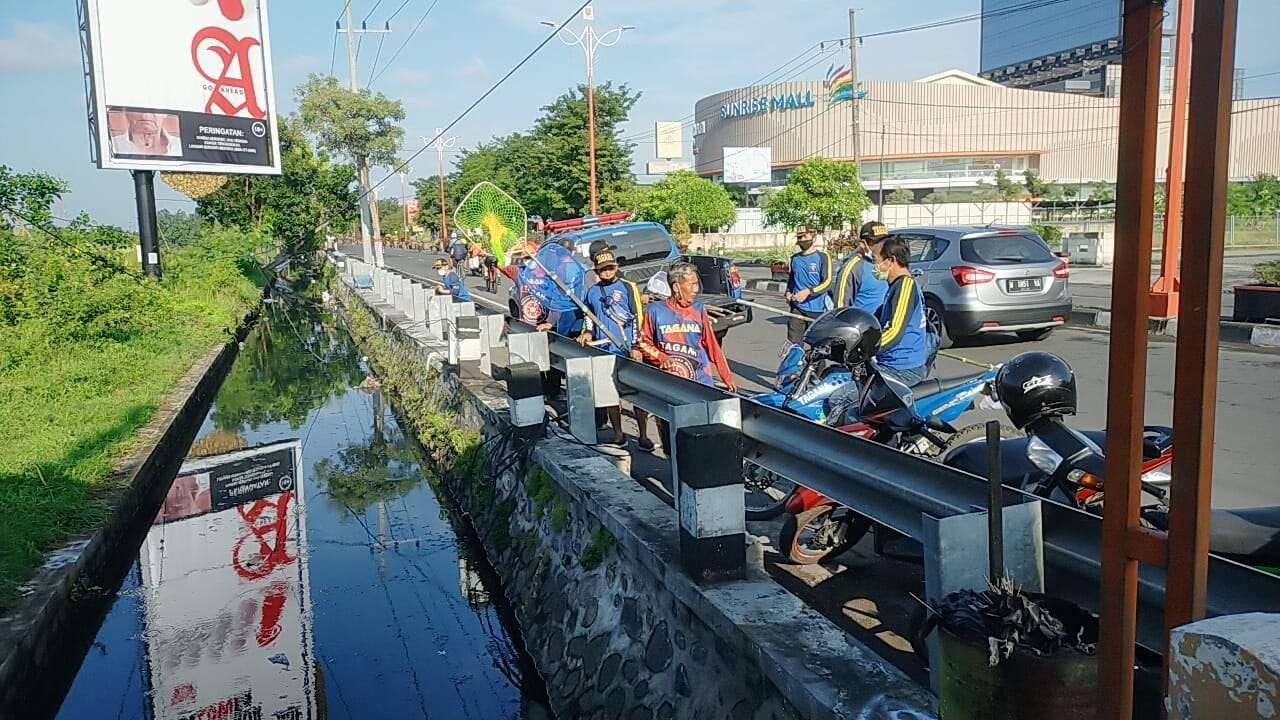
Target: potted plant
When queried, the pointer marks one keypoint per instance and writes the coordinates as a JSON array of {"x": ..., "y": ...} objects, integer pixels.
[{"x": 1260, "y": 300}]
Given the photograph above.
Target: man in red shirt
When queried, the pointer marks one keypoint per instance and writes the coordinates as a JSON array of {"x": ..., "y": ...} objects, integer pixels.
[{"x": 677, "y": 336}]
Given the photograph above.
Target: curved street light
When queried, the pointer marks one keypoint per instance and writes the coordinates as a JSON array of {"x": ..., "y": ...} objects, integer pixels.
[
  {"x": 441, "y": 144},
  {"x": 590, "y": 41}
]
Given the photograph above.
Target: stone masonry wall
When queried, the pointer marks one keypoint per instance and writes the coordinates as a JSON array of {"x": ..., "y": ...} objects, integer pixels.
[{"x": 587, "y": 560}]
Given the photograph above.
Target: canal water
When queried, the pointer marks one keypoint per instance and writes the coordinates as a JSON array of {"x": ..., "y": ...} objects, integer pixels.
[{"x": 303, "y": 566}]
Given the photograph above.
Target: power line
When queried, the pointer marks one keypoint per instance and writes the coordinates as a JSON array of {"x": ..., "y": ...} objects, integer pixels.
[
  {"x": 370, "y": 13},
  {"x": 374, "y": 78},
  {"x": 333, "y": 54},
  {"x": 537, "y": 48},
  {"x": 382, "y": 37},
  {"x": 397, "y": 12}
]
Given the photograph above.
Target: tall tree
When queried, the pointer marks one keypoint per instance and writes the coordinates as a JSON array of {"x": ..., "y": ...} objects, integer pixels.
[
  {"x": 360, "y": 125},
  {"x": 820, "y": 192},
  {"x": 310, "y": 197},
  {"x": 704, "y": 204},
  {"x": 1034, "y": 185},
  {"x": 1006, "y": 187}
]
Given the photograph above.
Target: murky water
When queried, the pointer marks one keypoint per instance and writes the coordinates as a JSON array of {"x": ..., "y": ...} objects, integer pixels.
[{"x": 304, "y": 567}]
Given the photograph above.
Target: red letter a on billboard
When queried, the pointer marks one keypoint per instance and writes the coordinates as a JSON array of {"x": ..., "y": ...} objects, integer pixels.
[{"x": 232, "y": 51}]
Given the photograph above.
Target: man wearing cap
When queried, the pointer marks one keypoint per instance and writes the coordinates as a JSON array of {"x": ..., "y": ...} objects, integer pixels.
[
  {"x": 452, "y": 282},
  {"x": 808, "y": 284},
  {"x": 616, "y": 303},
  {"x": 858, "y": 284}
]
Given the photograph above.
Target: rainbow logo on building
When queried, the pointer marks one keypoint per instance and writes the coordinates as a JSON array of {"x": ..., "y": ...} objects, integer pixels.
[{"x": 839, "y": 83}]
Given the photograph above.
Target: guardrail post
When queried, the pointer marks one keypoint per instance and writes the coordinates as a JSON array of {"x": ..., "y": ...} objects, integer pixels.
[
  {"x": 531, "y": 347},
  {"x": 490, "y": 338},
  {"x": 466, "y": 328},
  {"x": 710, "y": 502},
  {"x": 419, "y": 302},
  {"x": 437, "y": 312},
  {"x": 579, "y": 387},
  {"x": 525, "y": 403}
]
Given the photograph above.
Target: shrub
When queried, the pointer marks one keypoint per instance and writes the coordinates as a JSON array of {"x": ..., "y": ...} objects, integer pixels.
[
  {"x": 1052, "y": 234},
  {"x": 1267, "y": 273}
]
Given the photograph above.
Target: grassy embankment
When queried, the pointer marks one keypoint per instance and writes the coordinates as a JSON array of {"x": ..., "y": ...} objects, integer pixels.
[{"x": 87, "y": 353}]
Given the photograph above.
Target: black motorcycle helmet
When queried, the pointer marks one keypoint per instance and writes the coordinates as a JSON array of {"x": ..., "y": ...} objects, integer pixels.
[
  {"x": 1034, "y": 385},
  {"x": 851, "y": 336}
]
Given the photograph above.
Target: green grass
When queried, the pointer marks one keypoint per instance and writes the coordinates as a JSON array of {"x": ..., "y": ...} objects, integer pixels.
[{"x": 86, "y": 356}]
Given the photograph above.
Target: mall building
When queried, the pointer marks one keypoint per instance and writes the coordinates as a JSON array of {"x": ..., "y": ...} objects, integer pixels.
[{"x": 948, "y": 131}]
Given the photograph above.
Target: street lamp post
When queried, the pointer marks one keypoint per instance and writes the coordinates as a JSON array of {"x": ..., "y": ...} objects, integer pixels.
[
  {"x": 441, "y": 144},
  {"x": 589, "y": 42}
]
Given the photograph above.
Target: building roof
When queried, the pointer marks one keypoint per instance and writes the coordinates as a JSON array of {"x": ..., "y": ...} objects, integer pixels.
[{"x": 957, "y": 77}]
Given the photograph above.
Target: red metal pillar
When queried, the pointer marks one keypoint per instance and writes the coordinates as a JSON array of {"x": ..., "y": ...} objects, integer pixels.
[
  {"x": 1196, "y": 368},
  {"x": 1135, "y": 188},
  {"x": 1164, "y": 293}
]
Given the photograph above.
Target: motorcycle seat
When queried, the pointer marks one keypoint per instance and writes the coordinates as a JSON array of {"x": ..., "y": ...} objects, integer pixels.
[
  {"x": 931, "y": 386},
  {"x": 1248, "y": 535}
]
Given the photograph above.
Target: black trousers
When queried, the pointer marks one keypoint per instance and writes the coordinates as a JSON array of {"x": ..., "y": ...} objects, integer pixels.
[{"x": 796, "y": 327}]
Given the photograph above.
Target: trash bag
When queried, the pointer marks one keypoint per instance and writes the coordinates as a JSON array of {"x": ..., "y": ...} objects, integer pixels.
[{"x": 1006, "y": 619}]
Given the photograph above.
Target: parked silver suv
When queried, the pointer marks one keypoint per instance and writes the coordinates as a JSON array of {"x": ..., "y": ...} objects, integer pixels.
[{"x": 981, "y": 279}]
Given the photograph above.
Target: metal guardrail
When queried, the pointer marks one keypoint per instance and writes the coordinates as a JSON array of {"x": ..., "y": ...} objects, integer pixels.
[{"x": 892, "y": 488}]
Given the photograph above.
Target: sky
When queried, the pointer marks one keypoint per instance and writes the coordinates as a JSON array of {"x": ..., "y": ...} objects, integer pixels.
[{"x": 679, "y": 51}]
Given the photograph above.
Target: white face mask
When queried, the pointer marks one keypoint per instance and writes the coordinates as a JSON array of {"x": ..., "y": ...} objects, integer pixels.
[{"x": 443, "y": 272}]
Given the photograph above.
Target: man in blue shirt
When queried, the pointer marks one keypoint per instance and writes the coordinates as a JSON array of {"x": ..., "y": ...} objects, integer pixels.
[
  {"x": 906, "y": 345},
  {"x": 616, "y": 303},
  {"x": 452, "y": 282},
  {"x": 858, "y": 284},
  {"x": 808, "y": 283}
]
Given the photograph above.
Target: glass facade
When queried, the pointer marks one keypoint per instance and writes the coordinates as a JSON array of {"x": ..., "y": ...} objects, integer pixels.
[
  {"x": 1015, "y": 31},
  {"x": 960, "y": 169}
]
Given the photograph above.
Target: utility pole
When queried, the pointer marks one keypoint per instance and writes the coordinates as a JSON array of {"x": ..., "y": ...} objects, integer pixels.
[
  {"x": 590, "y": 41},
  {"x": 880, "y": 206},
  {"x": 441, "y": 143},
  {"x": 144, "y": 193},
  {"x": 404, "y": 204},
  {"x": 368, "y": 211},
  {"x": 853, "y": 101}
]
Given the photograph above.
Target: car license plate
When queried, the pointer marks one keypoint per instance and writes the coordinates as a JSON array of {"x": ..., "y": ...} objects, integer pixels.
[{"x": 1024, "y": 285}]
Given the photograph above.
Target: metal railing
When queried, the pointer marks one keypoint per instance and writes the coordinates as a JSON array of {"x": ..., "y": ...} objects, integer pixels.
[{"x": 894, "y": 489}]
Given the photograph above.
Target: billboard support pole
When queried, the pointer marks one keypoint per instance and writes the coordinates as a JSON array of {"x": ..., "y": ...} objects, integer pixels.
[{"x": 144, "y": 191}]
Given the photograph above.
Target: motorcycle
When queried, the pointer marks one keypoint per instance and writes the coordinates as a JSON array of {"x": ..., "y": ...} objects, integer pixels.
[
  {"x": 886, "y": 412},
  {"x": 805, "y": 381}
]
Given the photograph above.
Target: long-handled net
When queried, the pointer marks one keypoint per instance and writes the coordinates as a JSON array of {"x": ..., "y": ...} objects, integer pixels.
[{"x": 496, "y": 214}]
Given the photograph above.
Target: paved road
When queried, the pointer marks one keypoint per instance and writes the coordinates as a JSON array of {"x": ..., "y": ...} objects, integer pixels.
[
  {"x": 1091, "y": 286},
  {"x": 1247, "y": 457}
]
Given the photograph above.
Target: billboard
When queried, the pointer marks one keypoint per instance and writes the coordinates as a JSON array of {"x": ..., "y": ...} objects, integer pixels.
[
  {"x": 750, "y": 165},
  {"x": 669, "y": 140},
  {"x": 226, "y": 595},
  {"x": 181, "y": 85}
]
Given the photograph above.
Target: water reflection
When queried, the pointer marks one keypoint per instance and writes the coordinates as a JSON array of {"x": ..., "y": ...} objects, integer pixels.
[
  {"x": 224, "y": 576},
  {"x": 345, "y": 591}
]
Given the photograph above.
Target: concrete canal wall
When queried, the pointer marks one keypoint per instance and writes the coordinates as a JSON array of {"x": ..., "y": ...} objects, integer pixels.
[{"x": 588, "y": 559}]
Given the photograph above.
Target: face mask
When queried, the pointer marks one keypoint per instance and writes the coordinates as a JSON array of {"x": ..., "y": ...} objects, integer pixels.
[
  {"x": 443, "y": 272},
  {"x": 804, "y": 244},
  {"x": 875, "y": 270}
]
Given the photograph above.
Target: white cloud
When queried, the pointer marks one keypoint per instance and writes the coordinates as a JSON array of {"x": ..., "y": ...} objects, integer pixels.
[
  {"x": 474, "y": 69},
  {"x": 408, "y": 77},
  {"x": 38, "y": 46}
]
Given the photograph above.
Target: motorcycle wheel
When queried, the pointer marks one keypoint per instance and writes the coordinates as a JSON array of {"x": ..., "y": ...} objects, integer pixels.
[
  {"x": 820, "y": 533},
  {"x": 765, "y": 494},
  {"x": 971, "y": 433}
]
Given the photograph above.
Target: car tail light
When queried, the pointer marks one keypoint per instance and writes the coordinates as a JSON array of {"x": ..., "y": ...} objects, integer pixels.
[
  {"x": 734, "y": 276},
  {"x": 966, "y": 275},
  {"x": 1062, "y": 271}
]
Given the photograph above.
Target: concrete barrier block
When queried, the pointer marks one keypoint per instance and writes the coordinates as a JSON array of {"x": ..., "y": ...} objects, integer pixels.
[
  {"x": 1265, "y": 336},
  {"x": 1225, "y": 667},
  {"x": 712, "y": 519}
]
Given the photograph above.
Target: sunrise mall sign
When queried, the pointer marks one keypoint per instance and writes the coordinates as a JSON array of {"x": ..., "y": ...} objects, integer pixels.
[
  {"x": 181, "y": 85},
  {"x": 766, "y": 104}
]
